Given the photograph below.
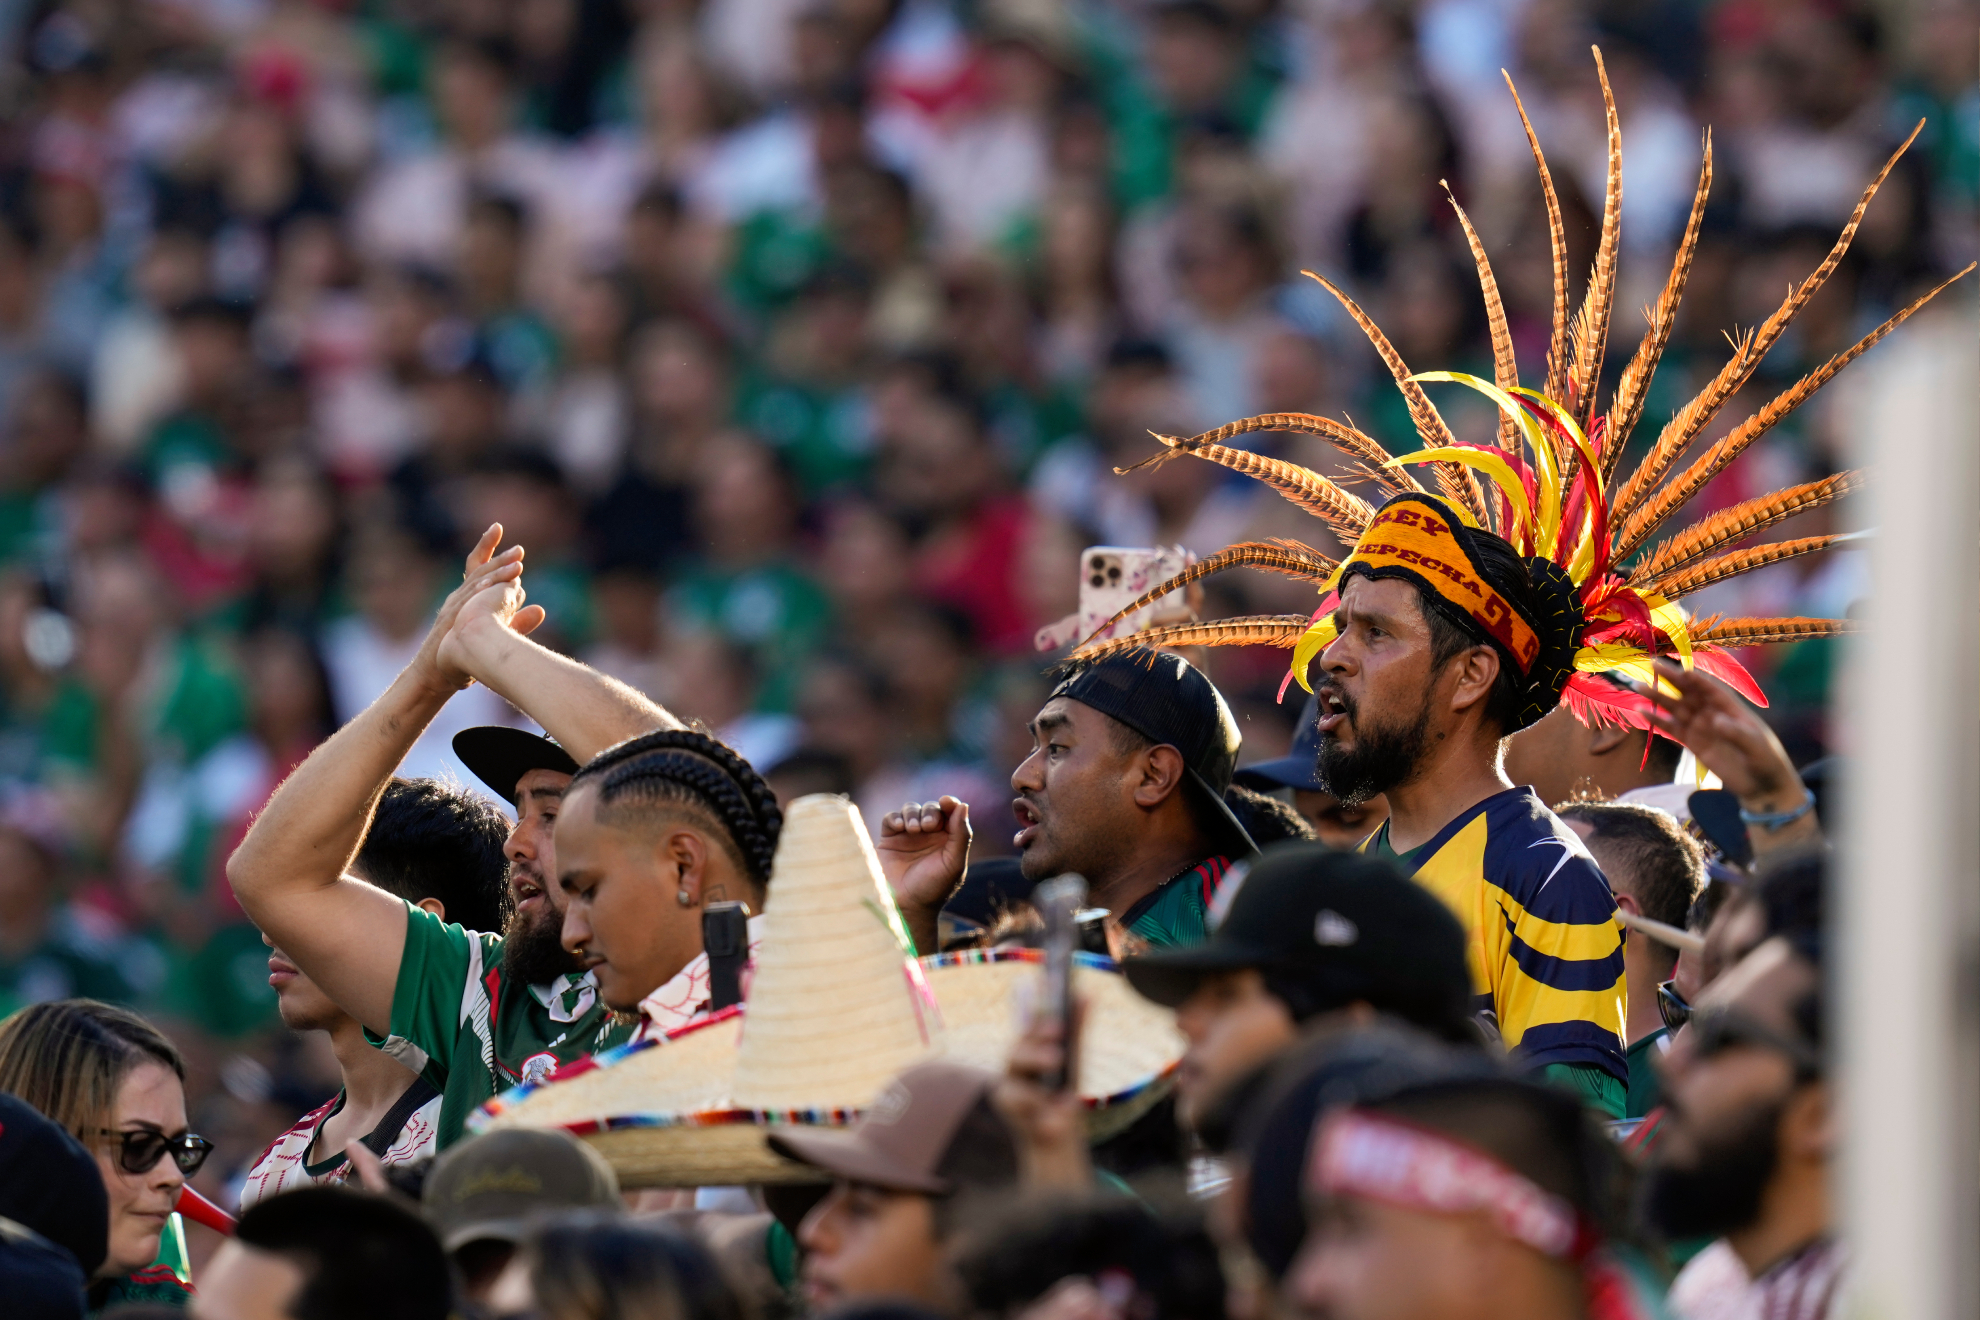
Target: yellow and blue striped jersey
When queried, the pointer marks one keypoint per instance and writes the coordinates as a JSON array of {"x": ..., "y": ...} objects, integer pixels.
[{"x": 1545, "y": 948}]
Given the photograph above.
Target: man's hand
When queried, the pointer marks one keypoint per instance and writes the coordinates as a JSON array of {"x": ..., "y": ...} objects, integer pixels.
[
  {"x": 485, "y": 571},
  {"x": 1731, "y": 740},
  {"x": 496, "y": 607},
  {"x": 924, "y": 853},
  {"x": 1050, "y": 1125}
]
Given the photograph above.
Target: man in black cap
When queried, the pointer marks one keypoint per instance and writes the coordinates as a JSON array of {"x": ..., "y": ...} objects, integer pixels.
[
  {"x": 1124, "y": 785},
  {"x": 1302, "y": 933},
  {"x": 1342, "y": 824}
]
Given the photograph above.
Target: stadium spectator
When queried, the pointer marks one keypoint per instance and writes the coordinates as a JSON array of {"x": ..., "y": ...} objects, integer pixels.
[
  {"x": 327, "y": 1251},
  {"x": 111, "y": 1081},
  {"x": 1656, "y": 870},
  {"x": 439, "y": 849}
]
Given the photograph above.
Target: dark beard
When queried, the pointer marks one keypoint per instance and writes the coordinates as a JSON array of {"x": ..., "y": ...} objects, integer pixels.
[
  {"x": 1722, "y": 1193},
  {"x": 532, "y": 950},
  {"x": 1384, "y": 756}
]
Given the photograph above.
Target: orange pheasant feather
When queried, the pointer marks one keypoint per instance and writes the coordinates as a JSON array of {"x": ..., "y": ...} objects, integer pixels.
[
  {"x": 1280, "y": 630},
  {"x": 1684, "y": 581},
  {"x": 1456, "y": 479},
  {"x": 1681, "y": 488},
  {"x": 1289, "y": 558},
  {"x": 1591, "y": 327},
  {"x": 1730, "y": 526},
  {"x": 1699, "y": 411},
  {"x": 1557, "y": 342},
  {"x": 1505, "y": 367},
  {"x": 1346, "y": 513},
  {"x": 1768, "y": 632},
  {"x": 1635, "y": 383}
]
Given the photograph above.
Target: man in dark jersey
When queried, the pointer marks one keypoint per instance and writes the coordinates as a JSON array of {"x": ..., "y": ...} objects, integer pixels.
[
  {"x": 446, "y": 1002},
  {"x": 1125, "y": 784}
]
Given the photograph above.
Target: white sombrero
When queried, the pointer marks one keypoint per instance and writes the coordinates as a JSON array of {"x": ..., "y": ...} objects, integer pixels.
[{"x": 835, "y": 1010}]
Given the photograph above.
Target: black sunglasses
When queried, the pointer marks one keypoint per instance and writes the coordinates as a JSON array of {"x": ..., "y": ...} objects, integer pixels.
[
  {"x": 1719, "y": 1029},
  {"x": 1671, "y": 1006},
  {"x": 139, "y": 1152}
]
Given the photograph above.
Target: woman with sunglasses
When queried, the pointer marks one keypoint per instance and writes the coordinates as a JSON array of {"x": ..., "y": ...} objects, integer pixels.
[{"x": 118, "y": 1086}]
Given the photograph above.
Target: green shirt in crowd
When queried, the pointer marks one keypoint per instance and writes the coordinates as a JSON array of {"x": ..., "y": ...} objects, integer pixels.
[
  {"x": 1646, "y": 1091},
  {"x": 462, "y": 1022},
  {"x": 1178, "y": 912}
]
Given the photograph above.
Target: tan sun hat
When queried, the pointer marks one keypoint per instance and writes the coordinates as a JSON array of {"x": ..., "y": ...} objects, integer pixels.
[{"x": 835, "y": 1010}]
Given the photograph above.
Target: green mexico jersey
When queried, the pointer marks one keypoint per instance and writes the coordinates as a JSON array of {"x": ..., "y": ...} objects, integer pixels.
[{"x": 459, "y": 1019}]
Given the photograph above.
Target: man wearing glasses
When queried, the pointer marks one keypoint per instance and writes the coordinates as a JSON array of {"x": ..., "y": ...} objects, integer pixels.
[{"x": 1744, "y": 1152}]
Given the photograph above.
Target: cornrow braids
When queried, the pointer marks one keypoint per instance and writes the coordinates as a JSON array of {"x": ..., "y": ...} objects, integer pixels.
[{"x": 690, "y": 767}]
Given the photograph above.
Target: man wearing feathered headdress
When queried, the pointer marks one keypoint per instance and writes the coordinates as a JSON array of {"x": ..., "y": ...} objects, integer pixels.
[
  {"x": 1465, "y": 615},
  {"x": 1445, "y": 646}
]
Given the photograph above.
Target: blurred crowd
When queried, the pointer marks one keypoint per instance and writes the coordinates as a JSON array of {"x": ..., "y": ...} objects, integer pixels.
[{"x": 798, "y": 341}]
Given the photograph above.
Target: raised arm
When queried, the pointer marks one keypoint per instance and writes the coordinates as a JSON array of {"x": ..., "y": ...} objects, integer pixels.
[
  {"x": 289, "y": 872},
  {"x": 584, "y": 710}
]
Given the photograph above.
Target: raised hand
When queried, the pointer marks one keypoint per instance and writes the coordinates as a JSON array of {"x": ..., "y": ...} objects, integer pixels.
[
  {"x": 484, "y": 570},
  {"x": 924, "y": 852},
  {"x": 489, "y": 613},
  {"x": 1731, "y": 740}
]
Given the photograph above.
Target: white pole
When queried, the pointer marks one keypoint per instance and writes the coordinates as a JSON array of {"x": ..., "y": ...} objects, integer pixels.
[{"x": 1906, "y": 919}]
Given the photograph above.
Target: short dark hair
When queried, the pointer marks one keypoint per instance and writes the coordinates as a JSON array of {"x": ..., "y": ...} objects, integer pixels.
[
  {"x": 1657, "y": 863},
  {"x": 1790, "y": 888},
  {"x": 430, "y": 839},
  {"x": 1024, "y": 1251},
  {"x": 360, "y": 1254},
  {"x": 1266, "y": 819},
  {"x": 589, "y": 1256}
]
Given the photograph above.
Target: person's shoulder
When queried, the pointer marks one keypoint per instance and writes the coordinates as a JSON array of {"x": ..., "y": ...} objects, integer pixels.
[{"x": 1542, "y": 864}]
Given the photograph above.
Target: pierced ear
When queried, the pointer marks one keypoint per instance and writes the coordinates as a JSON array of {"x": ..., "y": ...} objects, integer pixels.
[
  {"x": 683, "y": 856},
  {"x": 433, "y": 905}
]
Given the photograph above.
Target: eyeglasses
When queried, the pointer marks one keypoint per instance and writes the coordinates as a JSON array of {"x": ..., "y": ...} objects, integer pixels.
[
  {"x": 139, "y": 1152},
  {"x": 1671, "y": 1006},
  {"x": 1716, "y": 1030}
]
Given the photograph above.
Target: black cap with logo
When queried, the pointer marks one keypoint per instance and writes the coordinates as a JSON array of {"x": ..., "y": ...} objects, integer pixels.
[
  {"x": 1327, "y": 929},
  {"x": 1166, "y": 699},
  {"x": 500, "y": 756}
]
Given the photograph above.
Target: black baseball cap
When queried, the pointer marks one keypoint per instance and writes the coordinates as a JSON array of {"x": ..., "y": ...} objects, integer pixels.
[
  {"x": 1328, "y": 929},
  {"x": 499, "y": 756},
  {"x": 1166, "y": 699},
  {"x": 1298, "y": 768}
]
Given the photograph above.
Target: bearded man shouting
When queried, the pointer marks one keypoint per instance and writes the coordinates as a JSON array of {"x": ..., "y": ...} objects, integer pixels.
[{"x": 1443, "y": 650}]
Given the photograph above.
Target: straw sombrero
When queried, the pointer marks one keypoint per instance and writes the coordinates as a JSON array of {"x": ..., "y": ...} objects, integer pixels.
[{"x": 835, "y": 1010}]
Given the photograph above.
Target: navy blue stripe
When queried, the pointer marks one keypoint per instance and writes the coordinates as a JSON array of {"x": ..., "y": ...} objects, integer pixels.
[
  {"x": 1572, "y": 1042},
  {"x": 1565, "y": 973}
]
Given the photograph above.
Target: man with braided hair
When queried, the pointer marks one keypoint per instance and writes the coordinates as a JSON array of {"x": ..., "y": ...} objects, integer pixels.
[
  {"x": 652, "y": 831},
  {"x": 442, "y": 999}
]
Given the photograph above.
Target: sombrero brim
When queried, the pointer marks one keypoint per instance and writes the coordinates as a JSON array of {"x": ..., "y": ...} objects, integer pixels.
[{"x": 662, "y": 1115}]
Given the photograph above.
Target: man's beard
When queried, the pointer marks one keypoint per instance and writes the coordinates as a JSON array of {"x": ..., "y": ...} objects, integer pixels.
[
  {"x": 533, "y": 950},
  {"x": 1383, "y": 757},
  {"x": 1721, "y": 1192}
]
